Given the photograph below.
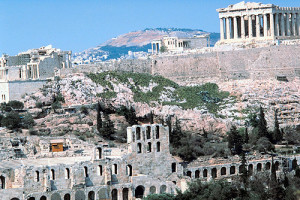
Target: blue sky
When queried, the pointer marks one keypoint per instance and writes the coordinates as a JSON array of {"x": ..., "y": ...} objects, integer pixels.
[{"x": 80, "y": 24}]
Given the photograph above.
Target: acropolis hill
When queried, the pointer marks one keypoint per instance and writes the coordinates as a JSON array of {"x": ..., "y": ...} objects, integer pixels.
[{"x": 107, "y": 130}]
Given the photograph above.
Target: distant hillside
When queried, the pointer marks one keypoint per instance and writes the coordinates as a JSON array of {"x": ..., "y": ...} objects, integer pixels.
[{"x": 136, "y": 41}]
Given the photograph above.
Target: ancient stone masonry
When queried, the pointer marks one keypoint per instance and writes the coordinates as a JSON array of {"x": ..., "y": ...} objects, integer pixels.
[
  {"x": 145, "y": 167},
  {"x": 28, "y": 71},
  {"x": 258, "y": 22}
]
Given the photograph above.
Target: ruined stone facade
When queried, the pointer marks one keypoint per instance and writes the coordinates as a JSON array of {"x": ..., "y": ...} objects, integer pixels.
[
  {"x": 28, "y": 71},
  {"x": 244, "y": 22},
  {"x": 145, "y": 167}
]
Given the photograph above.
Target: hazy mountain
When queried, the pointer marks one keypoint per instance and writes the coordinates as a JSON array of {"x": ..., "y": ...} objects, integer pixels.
[{"x": 136, "y": 41}]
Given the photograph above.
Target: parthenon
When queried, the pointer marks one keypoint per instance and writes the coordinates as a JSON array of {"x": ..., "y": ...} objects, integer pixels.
[{"x": 256, "y": 21}]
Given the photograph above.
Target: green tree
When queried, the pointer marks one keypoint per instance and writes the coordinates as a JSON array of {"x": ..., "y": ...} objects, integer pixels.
[
  {"x": 235, "y": 141},
  {"x": 12, "y": 120},
  {"x": 176, "y": 135},
  {"x": 246, "y": 136},
  {"x": 27, "y": 121},
  {"x": 244, "y": 175},
  {"x": 151, "y": 117},
  {"x": 262, "y": 125},
  {"x": 131, "y": 116},
  {"x": 99, "y": 117},
  {"x": 163, "y": 196},
  {"x": 108, "y": 129},
  {"x": 15, "y": 104},
  {"x": 277, "y": 134}
]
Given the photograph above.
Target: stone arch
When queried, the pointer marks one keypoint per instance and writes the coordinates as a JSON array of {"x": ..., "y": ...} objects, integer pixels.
[
  {"x": 91, "y": 195},
  {"x": 157, "y": 132},
  {"x": 277, "y": 165},
  {"x": 268, "y": 166},
  {"x": 67, "y": 173},
  {"x": 43, "y": 198},
  {"x": 163, "y": 189},
  {"x": 189, "y": 173},
  {"x": 2, "y": 182},
  {"x": 139, "y": 191},
  {"x": 55, "y": 196},
  {"x": 214, "y": 172},
  {"x": 205, "y": 173},
  {"x": 125, "y": 193},
  {"x": 103, "y": 194},
  {"x": 250, "y": 168},
  {"x": 158, "y": 147},
  {"x": 258, "y": 167},
  {"x": 294, "y": 164},
  {"x": 138, "y": 133},
  {"x": 67, "y": 196},
  {"x": 15, "y": 199},
  {"x": 152, "y": 190},
  {"x": 79, "y": 195},
  {"x": 197, "y": 174},
  {"x": 129, "y": 170},
  {"x": 114, "y": 194},
  {"x": 139, "y": 148},
  {"x": 149, "y": 147},
  {"x": 31, "y": 198},
  {"x": 99, "y": 152},
  {"x": 232, "y": 170},
  {"x": 223, "y": 171},
  {"x": 148, "y": 132}
]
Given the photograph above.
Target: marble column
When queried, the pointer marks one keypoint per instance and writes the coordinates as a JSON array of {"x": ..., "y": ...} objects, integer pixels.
[
  {"x": 288, "y": 30},
  {"x": 298, "y": 24},
  {"x": 293, "y": 24},
  {"x": 265, "y": 25},
  {"x": 250, "y": 26},
  {"x": 257, "y": 26},
  {"x": 232, "y": 28},
  {"x": 221, "y": 28},
  {"x": 272, "y": 25},
  {"x": 242, "y": 27},
  {"x": 282, "y": 26},
  {"x": 227, "y": 28},
  {"x": 276, "y": 24},
  {"x": 235, "y": 27}
]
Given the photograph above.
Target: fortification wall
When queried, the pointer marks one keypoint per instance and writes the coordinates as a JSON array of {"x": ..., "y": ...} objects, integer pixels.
[{"x": 18, "y": 88}]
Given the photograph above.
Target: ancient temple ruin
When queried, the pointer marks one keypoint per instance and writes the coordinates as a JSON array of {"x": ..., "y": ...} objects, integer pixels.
[{"x": 249, "y": 21}]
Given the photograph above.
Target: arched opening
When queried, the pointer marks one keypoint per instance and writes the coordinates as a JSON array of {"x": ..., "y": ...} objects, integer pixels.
[
  {"x": 67, "y": 173},
  {"x": 79, "y": 195},
  {"x": 15, "y": 199},
  {"x": 214, "y": 173},
  {"x": 148, "y": 132},
  {"x": 189, "y": 174},
  {"x": 133, "y": 137},
  {"x": 152, "y": 190},
  {"x": 114, "y": 194},
  {"x": 205, "y": 173},
  {"x": 139, "y": 191},
  {"x": 250, "y": 169},
  {"x": 86, "y": 174},
  {"x": 99, "y": 153},
  {"x": 31, "y": 198},
  {"x": 125, "y": 193},
  {"x": 55, "y": 196},
  {"x": 91, "y": 195},
  {"x": 232, "y": 170},
  {"x": 149, "y": 147},
  {"x": 67, "y": 197},
  {"x": 115, "y": 169},
  {"x": 173, "y": 167},
  {"x": 294, "y": 164},
  {"x": 197, "y": 174},
  {"x": 241, "y": 169},
  {"x": 100, "y": 170},
  {"x": 163, "y": 189},
  {"x": 52, "y": 174},
  {"x": 37, "y": 176},
  {"x": 139, "y": 148},
  {"x": 2, "y": 182},
  {"x": 259, "y": 167},
  {"x": 138, "y": 133},
  {"x": 268, "y": 166},
  {"x": 157, "y": 132},
  {"x": 43, "y": 198},
  {"x": 158, "y": 146},
  {"x": 277, "y": 165},
  {"x": 103, "y": 193},
  {"x": 129, "y": 170},
  {"x": 223, "y": 171}
]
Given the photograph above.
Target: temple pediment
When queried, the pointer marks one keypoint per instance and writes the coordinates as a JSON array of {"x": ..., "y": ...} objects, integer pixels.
[{"x": 246, "y": 5}]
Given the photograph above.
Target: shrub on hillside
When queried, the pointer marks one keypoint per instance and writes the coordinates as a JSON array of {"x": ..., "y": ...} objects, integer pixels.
[{"x": 12, "y": 120}]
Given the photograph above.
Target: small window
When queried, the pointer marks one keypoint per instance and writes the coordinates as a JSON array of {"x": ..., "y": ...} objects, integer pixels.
[
  {"x": 52, "y": 174},
  {"x": 115, "y": 169},
  {"x": 157, "y": 132},
  {"x": 99, "y": 152},
  {"x": 129, "y": 170},
  {"x": 67, "y": 173},
  {"x": 139, "y": 148},
  {"x": 173, "y": 167},
  {"x": 86, "y": 172},
  {"x": 100, "y": 170},
  {"x": 149, "y": 147},
  {"x": 37, "y": 176},
  {"x": 138, "y": 133},
  {"x": 148, "y": 132},
  {"x": 158, "y": 146}
]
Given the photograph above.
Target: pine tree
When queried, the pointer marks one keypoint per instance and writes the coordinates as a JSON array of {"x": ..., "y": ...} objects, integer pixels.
[
  {"x": 99, "y": 117},
  {"x": 262, "y": 125},
  {"x": 205, "y": 134},
  {"x": 151, "y": 117},
  {"x": 277, "y": 134},
  {"x": 108, "y": 128},
  {"x": 244, "y": 172},
  {"x": 176, "y": 135},
  {"x": 246, "y": 136},
  {"x": 235, "y": 141}
]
